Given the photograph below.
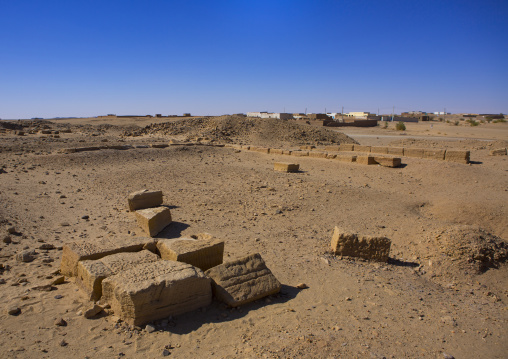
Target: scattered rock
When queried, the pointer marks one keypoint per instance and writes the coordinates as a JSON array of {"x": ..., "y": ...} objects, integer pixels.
[
  {"x": 58, "y": 296},
  {"x": 63, "y": 343},
  {"x": 60, "y": 322},
  {"x": 93, "y": 311},
  {"x": 46, "y": 246},
  {"x": 149, "y": 328},
  {"x": 302, "y": 286},
  {"x": 58, "y": 280},
  {"x": 26, "y": 256},
  {"x": 14, "y": 311},
  {"x": 85, "y": 217},
  {"x": 7, "y": 239},
  {"x": 11, "y": 230}
]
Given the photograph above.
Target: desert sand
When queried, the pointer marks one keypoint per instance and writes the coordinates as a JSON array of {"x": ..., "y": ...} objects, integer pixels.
[{"x": 442, "y": 294}]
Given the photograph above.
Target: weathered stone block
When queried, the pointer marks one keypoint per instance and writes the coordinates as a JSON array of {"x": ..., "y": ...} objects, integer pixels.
[
  {"x": 144, "y": 199},
  {"x": 457, "y": 156},
  {"x": 286, "y": 152},
  {"x": 351, "y": 245},
  {"x": 276, "y": 151},
  {"x": 316, "y": 154},
  {"x": 91, "y": 273},
  {"x": 346, "y": 158},
  {"x": 77, "y": 251},
  {"x": 307, "y": 147},
  {"x": 346, "y": 147},
  {"x": 331, "y": 156},
  {"x": 398, "y": 151},
  {"x": 378, "y": 149},
  {"x": 433, "y": 154},
  {"x": 365, "y": 160},
  {"x": 388, "y": 161},
  {"x": 243, "y": 280},
  {"x": 286, "y": 167},
  {"x": 360, "y": 148},
  {"x": 153, "y": 220},
  {"x": 332, "y": 148},
  {"x": 159, "y": 145},
  {"x": 203, "y": 253},
  {"x": 413, "y": 152},
  {"x": 498, "y": 152},
  {"x": 156, "y": 290},
  {"x": 260, "y": 149},
  {"x": 300, "y": 153}
]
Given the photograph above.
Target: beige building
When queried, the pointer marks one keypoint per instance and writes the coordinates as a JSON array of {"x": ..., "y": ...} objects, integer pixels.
[{"x": 277, "y": 115}]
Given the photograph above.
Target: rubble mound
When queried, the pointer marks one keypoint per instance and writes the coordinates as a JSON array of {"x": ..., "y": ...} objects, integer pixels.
[{"x": 237, "y": 129}]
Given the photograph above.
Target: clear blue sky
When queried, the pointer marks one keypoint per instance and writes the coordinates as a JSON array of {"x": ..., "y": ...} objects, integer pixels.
[{"x": 87, "y": 58}]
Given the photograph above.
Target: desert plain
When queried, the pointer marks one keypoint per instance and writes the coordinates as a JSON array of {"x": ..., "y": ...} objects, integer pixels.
[{"x": 443, "y": 292}]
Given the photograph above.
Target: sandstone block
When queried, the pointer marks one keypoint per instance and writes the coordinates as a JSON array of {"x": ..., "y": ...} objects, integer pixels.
[
  {"x": 346, "y": 147},
  {"x": 156, "y": 290},
  {"x": 245, "y": 147},
  {"x": 91, "y": 273},
  {"x": 360, "y": 148},
  {"x": 203, "y": 253},
  {"x": 276, "y": 151},
  {"x": 144, "y": 199},
  {"x": 286, "y": 152},
  {"x": 365, "y": 160},
  {"x": 433, "y": 154},
  {"x": 398, "y": 151},
  {"x": 498, "y": 152},
  {"x": 243, "y": 280},
  {"x": 307, "y": 147},
  {"x": 153, "y": 220},
  {"x": 379, "y": 149},
  {"x": 352, "y": 245},
  {"x": 346, "y": 158},
  {"x": 413, "y": 152},
  {"x": 300, "y": 153},
  {"x": 331, "y": 156},
  {"x": 457, "y": 156},
  {"x": 159, "y": 145},
  {"x": 286, "y": 167},
  {"x": 332, "y": 148},
  {"x": 77, "y": 251},
  {"x": 316, "y": 154},
  {"x": 260, "y": 149},
  {"x": 388, "y": 161}
]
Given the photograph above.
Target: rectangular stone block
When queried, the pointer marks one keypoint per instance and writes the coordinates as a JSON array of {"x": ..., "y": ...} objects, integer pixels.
[
  {"x": 366, "y": 160},
  {"x": 378, "y": 149},
  {"x": 91, "y": 273},
  {"x": 413, "y": 152},
  {"x": 286, "y": 167},
  {"x": 434, "y": 154},
  {"x": 397, "y": 151},
  {"x": 153, "y": 220},
  {"x": 307, "y": 147},
  {"x": 286, "y": 152},
  {"x": 245, "y": 147},
  {"x": 346, "y": 147},
  {"x": 260, "y": 149},
  {"x": 346, "y": 158},
  {"x": 276, "y": 151},
  {"x": 86, "y": 149},
  {"x": 331, "y": 156},
  {"x": 388, "y": 161},
  {"x": 243, "y": 280},
  {"x": 156, "y": 290},
  {"x": 159, "y": 145},
  {"x": 203, "y": 253},
  {"x": 498, "y": 152},
  {"x": 316, "y": 154},
  {"x": 457, "y": 156},
  {"x": 144, "y": 199},
  {"x": 300, "y": 153},
  {"x": 332, "y": 148},
  {"x": 360, "y": 148},
  {"x": 77, "y": 251},
  {"x": 352, "y": 245}
]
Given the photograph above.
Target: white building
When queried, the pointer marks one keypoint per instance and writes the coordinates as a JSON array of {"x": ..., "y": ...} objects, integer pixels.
[{"x": 277, "y": 115}]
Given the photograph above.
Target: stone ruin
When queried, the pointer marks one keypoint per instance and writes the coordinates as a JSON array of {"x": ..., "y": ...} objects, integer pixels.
[
  {"x": 144, "y": 279},
  {"x": 349, "y": 244}
]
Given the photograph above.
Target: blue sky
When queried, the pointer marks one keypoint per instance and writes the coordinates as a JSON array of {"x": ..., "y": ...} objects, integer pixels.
[{"x": 87, "y": 58}]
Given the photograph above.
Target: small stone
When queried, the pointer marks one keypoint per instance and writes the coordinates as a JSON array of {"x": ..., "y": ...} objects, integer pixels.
[
  {"x": 302, "y": 286},
  {"x": 149, "y": 328},
  {"x": 26, "y": 256},
  {"x": 58, "y": 296},
  {"x": 7, "y": 239},
  {"x": 63, "y": 343},
  {"x": 58, "y": 280},
  {"x": 46, "y": 246},
  {"x": 448, "y": 356},
  {"x": 85, "y": 217},
  {"x": 93, "y": 311},
  {"x": 11, "y": 230},
  {"x": 2, "y": 281},
  {"x": 65, "y": 224},
  {"x": 13, "y": 311},
  {"x": 60, "y": 322},
  {"x": 165, "y": 353}
]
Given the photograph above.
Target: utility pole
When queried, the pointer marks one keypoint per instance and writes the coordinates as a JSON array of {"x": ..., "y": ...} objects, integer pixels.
[
  {"x": 342, "y": 114},
  {"x": 393, "y": 110},
  {"x": 305, "y": 110},
  {"x": 325, "y": 110}
]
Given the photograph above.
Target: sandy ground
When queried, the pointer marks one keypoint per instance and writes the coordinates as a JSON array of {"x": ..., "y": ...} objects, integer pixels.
[{"x": 428, "y": 301}]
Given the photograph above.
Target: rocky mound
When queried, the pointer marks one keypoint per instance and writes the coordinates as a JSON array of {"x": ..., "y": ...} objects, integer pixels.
[{"x": 255, "y": 131}]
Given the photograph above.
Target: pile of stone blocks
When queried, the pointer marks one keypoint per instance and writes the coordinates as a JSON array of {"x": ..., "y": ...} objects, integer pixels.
[
  {"x": 150, "y": 215},
  {"x": 349, "y": 244}
]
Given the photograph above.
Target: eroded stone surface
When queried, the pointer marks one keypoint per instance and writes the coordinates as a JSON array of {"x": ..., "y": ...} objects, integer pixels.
[
  {"x": 156, "y": 290},
  {"x": 243, "y": 280},
  {"x": 352, "y": 245},
  {"x": 457, "y": 156}
]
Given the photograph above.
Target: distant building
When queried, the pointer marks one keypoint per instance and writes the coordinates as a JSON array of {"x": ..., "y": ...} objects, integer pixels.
[
  {"x": 277, "y": 115},
  {"x": 358, "y": 115},
  {"x": 442, "y": 113},
  {"x": 186, "y": 115}
]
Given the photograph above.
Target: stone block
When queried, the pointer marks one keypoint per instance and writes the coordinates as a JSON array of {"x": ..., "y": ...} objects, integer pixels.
[
  {"x": 286, "y": 167},
  {"x": 498, "y": 152},
  {"x": 346, "y": 147},
  {"x": 245, "y": 147},
  {"x": 397, "y": 151},
  {"x": 144, "y": 199},
  {"x": 260, "y": 149},
  {"x": 156, "y": 290},
  {"x": 300, "y": 153},
  {"x": 77, "y": 251},
  {"x": 203, "y": 253},
  {"x": 413, "y": 152},
  {"x": 352, "y": 245},
  {"x": 433, "y": 154},
  {"x": 332, "y": 148},
  {"x": 87, "y": 149},
  {"x": 379, "y": 149},
  {"x": 317, "y": 154},
  {"x": 388, "y": 161},
  {"x": 91, "y": 273},
  {"x": 276, "y": 151},
  {"x": 366, "y": 160},
  {"x": 331, "y": 156},
  {"x": 286, "y": 152},
  {"x": 360, "y": 148},
  {"x": 243, "y": 280},
  {"x": 159, "y": 145},
  {"x": 307, "y": 147},
  {"x": 153, "y": 220},
  {"x": 457, "y": 156},
  {"x": 346, "y": 158}
]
